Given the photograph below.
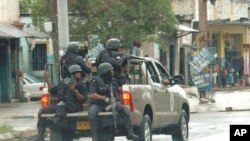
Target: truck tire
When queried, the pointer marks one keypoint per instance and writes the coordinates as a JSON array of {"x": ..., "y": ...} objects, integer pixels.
[
  {"x": 146, "y": 129},
  {"x": 181, "y": 133}
]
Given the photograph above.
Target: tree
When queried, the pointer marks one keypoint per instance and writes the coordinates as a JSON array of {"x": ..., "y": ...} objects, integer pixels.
[
  {"x": 38, "y": 9},
  {"x": 128, "y": 20}
]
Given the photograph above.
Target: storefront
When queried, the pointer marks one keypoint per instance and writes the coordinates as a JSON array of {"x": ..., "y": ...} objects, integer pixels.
[
  {"x": 10, "y": 63},
  {"x": 232, "y": 48}
]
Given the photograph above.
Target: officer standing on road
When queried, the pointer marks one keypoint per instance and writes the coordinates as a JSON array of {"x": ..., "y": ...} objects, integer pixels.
[
  {"x": 109, "y": 55},
  {"x": 100, "y": 98},
  {"x": 73, "y": 91},
  {"x": 71, "y": 57}
]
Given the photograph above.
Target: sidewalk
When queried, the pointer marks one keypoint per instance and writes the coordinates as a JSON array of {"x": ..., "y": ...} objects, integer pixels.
[
  {"x": 230, "y": 88},
  {"x": 228, "y": 99},
  {"x": 23, "y": 116}
]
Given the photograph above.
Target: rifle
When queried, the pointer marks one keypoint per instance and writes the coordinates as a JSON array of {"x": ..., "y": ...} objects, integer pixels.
[
  {"x": 113, "y": 104},
  {"x": 128, "y": 56}
]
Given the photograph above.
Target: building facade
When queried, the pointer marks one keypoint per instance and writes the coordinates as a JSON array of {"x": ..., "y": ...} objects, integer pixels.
[
  {"x": 10, "y": 54},
  {"x": 228, "y": 36}
]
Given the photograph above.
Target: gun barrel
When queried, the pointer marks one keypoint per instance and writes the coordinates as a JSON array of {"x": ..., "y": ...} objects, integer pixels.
[{"x": 115, "y": 54}]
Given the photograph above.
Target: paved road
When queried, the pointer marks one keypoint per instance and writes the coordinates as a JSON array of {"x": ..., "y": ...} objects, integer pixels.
[
  {"x": 205, "y": 126},
  {"x": 215, "y": 126}
]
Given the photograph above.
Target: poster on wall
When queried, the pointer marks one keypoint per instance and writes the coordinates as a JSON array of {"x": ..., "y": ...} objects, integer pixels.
[
  {"x": 202, "y": 59},
  {"x": 201, "y": 79}
]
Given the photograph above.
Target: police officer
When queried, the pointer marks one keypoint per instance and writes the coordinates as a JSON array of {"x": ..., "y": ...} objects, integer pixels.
[
  {"x": 100, "y": 99},
  {"x": 109, "y": 55},
  {"x": 71, "y": 57},
  {"x": 73, "y": 92}
]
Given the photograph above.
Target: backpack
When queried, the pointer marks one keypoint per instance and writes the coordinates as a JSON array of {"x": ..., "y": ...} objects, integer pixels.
[
  {"x": 98, "y": 58},
  {"x": 66, "y": 61}
]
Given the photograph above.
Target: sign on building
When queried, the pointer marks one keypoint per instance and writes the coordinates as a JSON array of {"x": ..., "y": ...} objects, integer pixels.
[{"x": 202, "y": 59}]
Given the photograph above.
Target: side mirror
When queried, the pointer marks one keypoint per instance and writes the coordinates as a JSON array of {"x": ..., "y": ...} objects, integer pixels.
[{"x": 177, "y": 79}]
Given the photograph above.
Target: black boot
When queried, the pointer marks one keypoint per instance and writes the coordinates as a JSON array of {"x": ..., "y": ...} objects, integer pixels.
[
  {"x": 40, "y": 135},
  {"x": 132, "y": 136}
]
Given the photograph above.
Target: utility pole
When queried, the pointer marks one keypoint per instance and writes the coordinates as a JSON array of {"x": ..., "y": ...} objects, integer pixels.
[
  {"x": 203, "y": 36},
  {"x": 63, "y": 24},
  {"x": 52, "y": 4}
]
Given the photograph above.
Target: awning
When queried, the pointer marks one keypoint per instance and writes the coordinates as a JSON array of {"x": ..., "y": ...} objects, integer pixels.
[
  {"x": 34, "y": 33},
  {"x": 185, "y": 30},
  {"x": 10, "y": 31}
]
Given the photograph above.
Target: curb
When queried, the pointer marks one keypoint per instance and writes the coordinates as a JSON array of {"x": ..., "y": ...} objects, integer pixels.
[
  {"x": 24, "y": 117},
  {"x": 19, "y": 132},
  {"x": 6, "y": 136},
  {"x": 25, "y": 133}
]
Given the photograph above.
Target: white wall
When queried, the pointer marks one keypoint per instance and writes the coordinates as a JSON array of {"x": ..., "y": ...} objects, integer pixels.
[
  {"x": 9, "y": 11},
  {"x": 224, "y": 9},
  {"x": 183, "y": 7}
]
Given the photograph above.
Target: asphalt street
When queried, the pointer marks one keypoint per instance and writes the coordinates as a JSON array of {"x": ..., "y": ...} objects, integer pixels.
[{"x": 208, "y": 122}]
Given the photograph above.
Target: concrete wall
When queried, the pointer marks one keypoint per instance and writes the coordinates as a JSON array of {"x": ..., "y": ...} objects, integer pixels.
[
  {"x": 223, "y": 9},
  {"x": 9, "y": 11},
  {"x": 183, "y": 7}
]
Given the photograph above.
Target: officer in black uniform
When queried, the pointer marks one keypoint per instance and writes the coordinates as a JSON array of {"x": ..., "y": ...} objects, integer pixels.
[
  {"x": 100, "y": 98},
  {"x": 71, "y": 57},
  {"x": 73, "y": 92},
  {"x": 110, "y": 55}
]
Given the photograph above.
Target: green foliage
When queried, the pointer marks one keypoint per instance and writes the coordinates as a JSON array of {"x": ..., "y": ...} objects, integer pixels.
[
  {"x": 128, "y": 20},
  {"x": 24, "y": 6},
  {"x": 5, "y": 129},
  {"x": 38, "y": 10}
]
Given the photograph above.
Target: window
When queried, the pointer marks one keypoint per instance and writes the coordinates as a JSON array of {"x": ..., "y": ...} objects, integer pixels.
[
  {"x": 153, "y": 72},
  {"x": 135, "y": 72},
  {"x": 30, "y": 79},
  {"x": 39, "y": 57},
  {"x": 163, "y": 73}
]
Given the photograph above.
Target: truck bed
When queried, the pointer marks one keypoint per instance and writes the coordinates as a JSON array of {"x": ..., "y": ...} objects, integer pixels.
[{"x": 78, "y": 114}]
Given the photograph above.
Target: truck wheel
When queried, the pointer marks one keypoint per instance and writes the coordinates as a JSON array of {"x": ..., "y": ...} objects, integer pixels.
[
  {"x": 146, "y": 129},
  {"x": 181, "y": 133}
]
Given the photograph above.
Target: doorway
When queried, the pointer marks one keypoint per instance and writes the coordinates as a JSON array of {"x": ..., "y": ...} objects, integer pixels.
[{"x": 3, "y": 70}]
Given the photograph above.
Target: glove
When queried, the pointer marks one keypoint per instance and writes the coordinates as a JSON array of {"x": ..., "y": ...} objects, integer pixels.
[
  {"x": 107, "y": 100},
  {"x": 124, "y": 57}
]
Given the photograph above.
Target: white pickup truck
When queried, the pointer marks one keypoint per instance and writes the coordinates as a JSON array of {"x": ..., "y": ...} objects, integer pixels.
[{"x": 156, "y": 107}]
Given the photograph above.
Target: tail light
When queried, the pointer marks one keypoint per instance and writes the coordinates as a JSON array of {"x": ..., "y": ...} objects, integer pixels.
[
  {"x": 45, "y": 100},
  {"x": 127, "y": 100}
]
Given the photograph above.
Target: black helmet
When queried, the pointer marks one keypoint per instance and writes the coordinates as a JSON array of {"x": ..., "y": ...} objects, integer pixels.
[
  {"x": 113, "y": 44},
  {"x": 74, "y": 68},
  {"x": 104, "y": 68},
  {"x": 73, "y": 47}
]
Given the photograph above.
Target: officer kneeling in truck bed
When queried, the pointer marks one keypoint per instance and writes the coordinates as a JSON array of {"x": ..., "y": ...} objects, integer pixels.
[
  {"x": 73, "y": 91},
  {"x": 100, "y": 98}
]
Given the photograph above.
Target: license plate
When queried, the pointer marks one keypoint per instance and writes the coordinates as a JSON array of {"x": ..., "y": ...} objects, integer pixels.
[{"x": 82, "y": 125}]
